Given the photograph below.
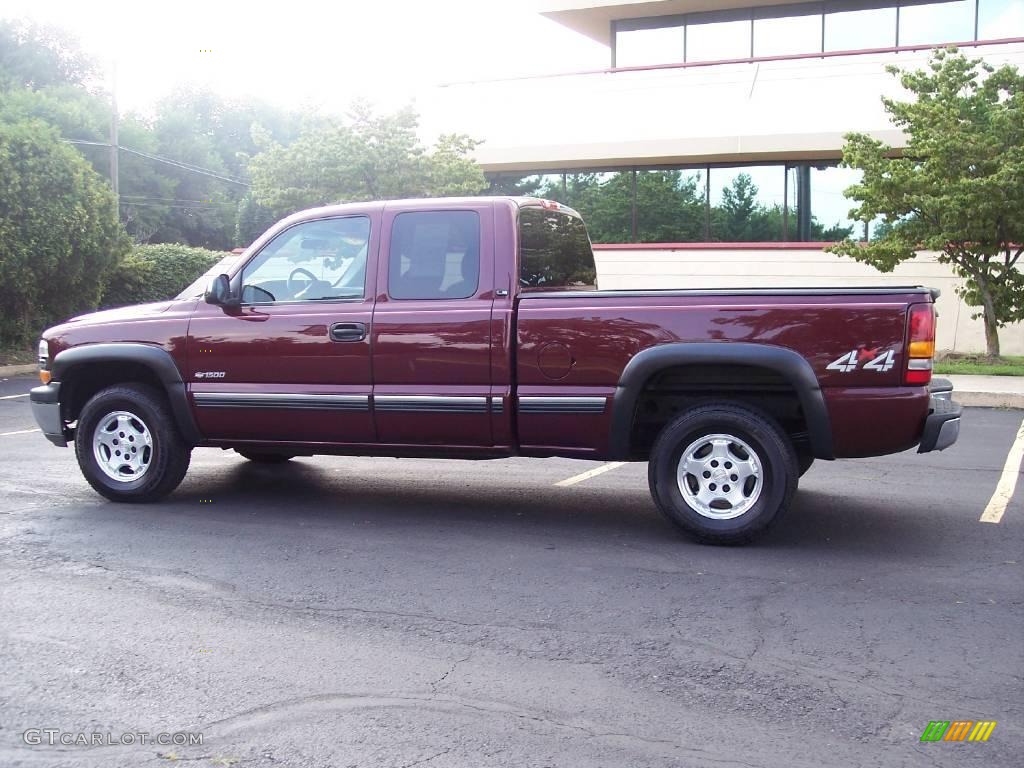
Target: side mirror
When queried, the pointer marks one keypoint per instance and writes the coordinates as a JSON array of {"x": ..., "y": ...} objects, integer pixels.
[{"x": 218, "y": 292}]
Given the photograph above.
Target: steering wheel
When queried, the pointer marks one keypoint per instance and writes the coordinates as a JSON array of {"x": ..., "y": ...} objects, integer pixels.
[{"x": 293, "y": 283}]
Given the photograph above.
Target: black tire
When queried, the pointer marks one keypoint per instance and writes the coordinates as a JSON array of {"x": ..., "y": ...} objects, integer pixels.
[
  {"x": 169, "y": 454},
  {"x": 265, "y": 458},
  {"x": 764, "y": 437}
]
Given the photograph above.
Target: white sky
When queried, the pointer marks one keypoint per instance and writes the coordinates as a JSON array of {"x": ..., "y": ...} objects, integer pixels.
[{"x": 312, "y": 54}]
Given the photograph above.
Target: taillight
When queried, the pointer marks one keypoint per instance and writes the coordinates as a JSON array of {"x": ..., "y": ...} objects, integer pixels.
[{"x": 920, "y": 344}]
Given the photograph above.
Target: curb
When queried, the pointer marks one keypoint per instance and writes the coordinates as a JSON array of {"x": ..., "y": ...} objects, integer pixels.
[
  {"x": 989, "y": 399},
  {"x": 16, "y": 370}
]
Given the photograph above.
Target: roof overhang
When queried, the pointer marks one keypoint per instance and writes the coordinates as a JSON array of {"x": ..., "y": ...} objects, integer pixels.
[{"x": 593, "y": 18}]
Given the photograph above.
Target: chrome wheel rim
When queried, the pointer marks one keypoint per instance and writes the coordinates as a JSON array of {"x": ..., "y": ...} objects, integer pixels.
[
  {"x": 720, "y": 476},
  {"x": 123, "y": 446}
]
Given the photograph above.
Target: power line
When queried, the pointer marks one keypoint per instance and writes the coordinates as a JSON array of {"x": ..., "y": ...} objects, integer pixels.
[
  {"x": 167, "y": 160},
  {"x": 178, "y": 200},
  {"x": 175, "y": 205}
]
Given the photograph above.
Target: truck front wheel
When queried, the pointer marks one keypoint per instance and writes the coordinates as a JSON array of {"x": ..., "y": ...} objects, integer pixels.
[
  {"x": 723, "y": 473},
  {"x": 128, "y": 446}
]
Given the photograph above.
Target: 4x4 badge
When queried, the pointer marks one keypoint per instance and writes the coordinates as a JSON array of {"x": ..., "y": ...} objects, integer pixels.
[{"x": 850, "y": 361}]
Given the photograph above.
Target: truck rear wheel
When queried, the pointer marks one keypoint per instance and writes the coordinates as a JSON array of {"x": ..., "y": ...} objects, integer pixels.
[
  {"x": 128, "y": 446},
  {"x": 723, "y": 473}
]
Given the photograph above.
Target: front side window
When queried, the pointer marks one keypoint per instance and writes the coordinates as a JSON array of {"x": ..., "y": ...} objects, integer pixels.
[
  {"x": 434, "y": 255},
  {"x": 319, "y": 260},
  {"x": 554, "y": 251}
]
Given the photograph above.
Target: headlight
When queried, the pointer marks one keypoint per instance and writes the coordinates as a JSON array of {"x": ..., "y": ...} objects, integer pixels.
[{"x": 44, "y": 353}]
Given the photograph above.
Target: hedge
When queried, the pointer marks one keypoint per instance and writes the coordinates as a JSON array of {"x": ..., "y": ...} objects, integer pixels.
[
  {"x": 156, "y": 273},
  {"x": 59, "y": 234}
]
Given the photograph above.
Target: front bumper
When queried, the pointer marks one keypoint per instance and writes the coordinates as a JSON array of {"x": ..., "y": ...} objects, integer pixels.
[
  {"x": 942, "y": 427},
  {"x": 45, "y": 402}
]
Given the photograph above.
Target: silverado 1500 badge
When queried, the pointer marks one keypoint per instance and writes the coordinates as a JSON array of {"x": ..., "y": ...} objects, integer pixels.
[{"x": 209, "y": 374}]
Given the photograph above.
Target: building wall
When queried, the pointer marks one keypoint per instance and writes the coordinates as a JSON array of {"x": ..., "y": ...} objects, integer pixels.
[
  {"x": 626, "y": 267},
  {"x": 769, "y": 110}
]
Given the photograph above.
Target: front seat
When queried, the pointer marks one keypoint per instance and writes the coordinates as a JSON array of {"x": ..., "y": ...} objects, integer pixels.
[
  {"x": 469, "y": 276},
  {"x": 423, "y": 278}
]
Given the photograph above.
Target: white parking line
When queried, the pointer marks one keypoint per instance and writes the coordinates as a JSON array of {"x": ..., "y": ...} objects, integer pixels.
[
  {"x": 19, "y": 432},
  {"x": 589, "y": 474},
  {"x": 1007, "y": 481},
  {"x": 11, "y": 397}
]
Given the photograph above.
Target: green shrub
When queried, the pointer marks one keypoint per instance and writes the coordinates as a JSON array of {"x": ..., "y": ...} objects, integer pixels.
[
  {"x": 156, "y": 273},
  {"x": 59, "y": 234}
]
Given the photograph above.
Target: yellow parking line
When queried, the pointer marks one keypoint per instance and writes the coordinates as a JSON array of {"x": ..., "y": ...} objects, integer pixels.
[
  {"x": 589, "y": 474},
  {"x": 19, "y": 432},
  {"x": 1007, "y": 481}
]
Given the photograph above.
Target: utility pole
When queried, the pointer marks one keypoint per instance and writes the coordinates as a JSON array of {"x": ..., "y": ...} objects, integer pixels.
[{"x": 114, "y": 180}]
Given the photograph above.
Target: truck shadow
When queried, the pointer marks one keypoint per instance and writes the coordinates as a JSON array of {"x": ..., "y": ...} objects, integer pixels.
[{"x": 303, "y": 491}]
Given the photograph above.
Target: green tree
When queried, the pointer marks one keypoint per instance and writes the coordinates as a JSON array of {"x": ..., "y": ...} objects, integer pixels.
[
  {"x": 741, "y": 218},
  {"x": 367, "y": 157},
  {"x": 36, "y": 56},
  {"x": 670, "y": 207},
  {"x": 513, "y": 185},
  {"x": 59, "y": 233},
  {"x": 253, "y": 220},
  {"x": 957, "y": 187}
]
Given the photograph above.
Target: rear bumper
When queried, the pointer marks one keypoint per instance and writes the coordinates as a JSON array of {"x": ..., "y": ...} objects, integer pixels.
[
  {"x": 45, "y": 402},
  {"x": 942, "y": 427},
  {"x": 941, "y": 389}
]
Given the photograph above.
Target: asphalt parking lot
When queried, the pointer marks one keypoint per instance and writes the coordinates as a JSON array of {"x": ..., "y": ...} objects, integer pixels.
[{"x": 381, "y": 612}]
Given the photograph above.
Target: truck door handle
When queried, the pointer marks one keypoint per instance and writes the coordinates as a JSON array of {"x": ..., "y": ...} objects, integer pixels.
[{"x": 348, "y": 331}]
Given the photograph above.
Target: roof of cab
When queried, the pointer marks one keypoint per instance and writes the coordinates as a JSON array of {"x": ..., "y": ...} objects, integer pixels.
[{"x": 424, "y": 203}]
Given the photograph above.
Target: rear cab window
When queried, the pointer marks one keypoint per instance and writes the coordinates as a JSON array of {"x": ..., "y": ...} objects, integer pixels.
[{"x": 554, "y": 250}]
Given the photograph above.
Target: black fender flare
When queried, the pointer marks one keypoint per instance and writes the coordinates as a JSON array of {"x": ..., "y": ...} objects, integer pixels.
[
  {"x": 156, "y": 359},
  {"x": 789, "y": 364}
]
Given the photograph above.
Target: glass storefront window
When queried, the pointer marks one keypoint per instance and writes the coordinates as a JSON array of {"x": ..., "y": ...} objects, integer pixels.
[
  {"x": 671, "y": 206},
  {"x": 802, "y": 202},
  {"x": 603, "y": 199},
  {"x": 850, "y": 30},
  {"x": 645, "y": 47},
  {"x": 787, "y": 30},
  {"x": 529, "y": 185},
  {"x": 747, "y": 203},
  {"x": 1000, "y": 18},
  {"x": 718, "y": 40},
  {"x": 830, "y": 208},
  {"x": 550, "y": 186},
  {"x": 946, "y": 22}
]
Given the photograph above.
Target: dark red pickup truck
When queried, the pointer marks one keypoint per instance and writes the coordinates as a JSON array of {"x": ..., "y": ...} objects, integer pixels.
[{"x": 474, "y": 328}]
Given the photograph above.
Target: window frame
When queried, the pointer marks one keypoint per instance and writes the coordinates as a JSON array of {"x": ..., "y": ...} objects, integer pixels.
[
  {"x": 391, "y": 242},
  {"x": 822, "y": 8},
  {"x": 238, "y": 279}
]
